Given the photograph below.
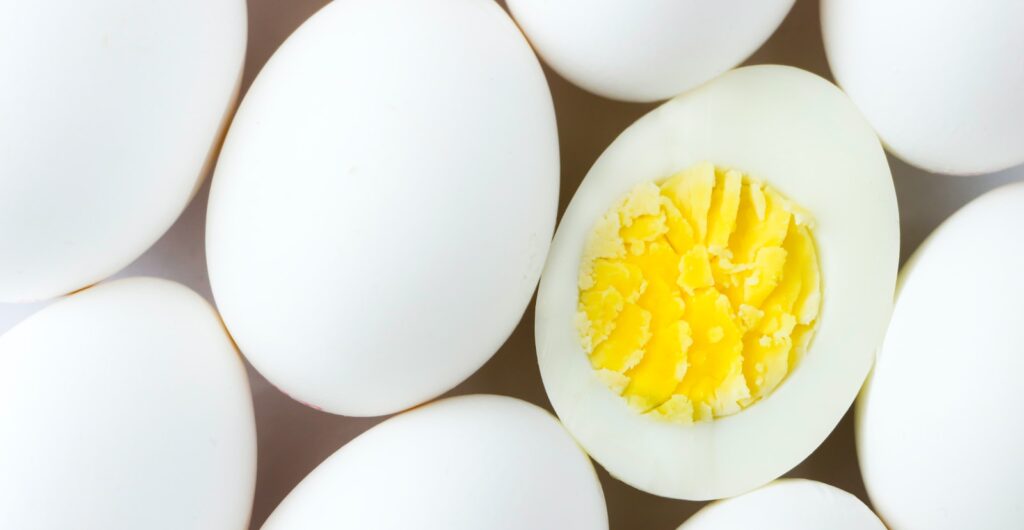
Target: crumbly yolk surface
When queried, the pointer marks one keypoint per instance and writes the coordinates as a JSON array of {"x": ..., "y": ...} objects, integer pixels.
[{"x": 698, "y": 294}]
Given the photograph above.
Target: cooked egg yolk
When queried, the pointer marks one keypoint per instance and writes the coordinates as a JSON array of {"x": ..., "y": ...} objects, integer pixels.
[{"x": 698, "y": 294}]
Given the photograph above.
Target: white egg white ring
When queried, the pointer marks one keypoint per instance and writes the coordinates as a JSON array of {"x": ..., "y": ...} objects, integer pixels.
[{"x": 800, "y": 134}]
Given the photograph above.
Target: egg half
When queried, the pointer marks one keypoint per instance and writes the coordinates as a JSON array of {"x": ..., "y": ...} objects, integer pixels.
[
  {"x": 646, "y": 51},
  {"x": 792, "y": 504},
  {"x": 941, "y": 82},
  {"x": 719, "y": 284},
  {"x": 938, "y": 440},
  {"x": 384, "y": 202},
  {"x": 110, "y": 114},
  {"x": 122, "y": 407},
  {"x": 462, "y": 463}
]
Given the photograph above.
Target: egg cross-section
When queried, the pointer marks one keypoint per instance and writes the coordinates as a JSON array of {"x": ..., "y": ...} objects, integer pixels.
[{"x": 719, "y": 284}]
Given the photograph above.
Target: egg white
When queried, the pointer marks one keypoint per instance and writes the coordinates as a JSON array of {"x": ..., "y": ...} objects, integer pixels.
[{"x": 800, "y": 134}]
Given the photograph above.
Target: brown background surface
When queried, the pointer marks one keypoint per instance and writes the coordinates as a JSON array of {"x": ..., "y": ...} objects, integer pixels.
[{"x": 293, "y": 439}]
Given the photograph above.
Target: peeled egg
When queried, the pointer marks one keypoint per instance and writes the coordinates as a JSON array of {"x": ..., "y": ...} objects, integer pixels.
[
  {"x": 125, "y": 406},
  {"x": 719, "y": 284},
  {"x": 646, "y": 51},
  {"x": 791, "y": 504},
  {"x": 941, "y": 82},
  {"x": 110, "y": 111},
  {"x": 937, "y": 438},
  {"x": 385, "y": 198},
  {"x": 462, "y": 463}
]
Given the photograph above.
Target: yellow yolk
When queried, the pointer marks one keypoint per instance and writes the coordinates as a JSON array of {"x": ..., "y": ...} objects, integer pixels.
[{"x": 698, "y": 294}]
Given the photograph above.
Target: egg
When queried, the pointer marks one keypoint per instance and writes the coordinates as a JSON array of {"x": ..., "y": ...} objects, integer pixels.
[
  {"x": 941, "y": 83},
  {"x": 645, "y": 51},
  {"x": 791, "y": 504},
  {"x": 384, "y": 202},
  {"x": 111, "y": 111},
  {"x": 461, "y": 463},
  {"x": 938, "y": 445},
  {"x": 125, "y": 406},
  {"x": 719, "y": 283}
]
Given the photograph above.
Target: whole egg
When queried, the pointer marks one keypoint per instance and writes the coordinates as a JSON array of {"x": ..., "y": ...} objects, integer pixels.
[
  {"x": 123, "y": 407},
  {"x": 110, "y": 113},
  {"x": 384, "y": 202},
  {"x": 647, "y": 50},
  {"x": 463, "y": 463},
  {"x": 940, "y": 81},
  {"x": 938, "y": 445},
  {"x": 790, "y": 504}
]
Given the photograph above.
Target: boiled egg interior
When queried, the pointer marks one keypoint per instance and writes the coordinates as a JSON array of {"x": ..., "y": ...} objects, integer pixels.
[
  {"x": 719, "y": 284},
  {"x": 698, "y": 293}
]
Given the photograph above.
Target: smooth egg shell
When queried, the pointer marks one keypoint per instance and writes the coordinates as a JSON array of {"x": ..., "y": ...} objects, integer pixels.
[
  {"x": 462, "y": 463},
  {"x": 110, "y": 113},
  {"x": 124, "y": 407},
  {"x": 942, "y": 82},
  {"x": 938, "y": 440},
  {"x": 649, "y": 50},
  {"x": 385, "y": 198},
  {"x": 791, "y": 504}
]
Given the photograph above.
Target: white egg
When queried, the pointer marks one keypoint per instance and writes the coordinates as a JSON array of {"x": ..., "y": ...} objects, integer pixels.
[
  {"x": 937, "y": 437},
  {"x": 650, "y": 50},
  {"x": 799, "y": 134},
  {"x": 384, "y": 202},
  {"x": 125, "y": 406},
  {"x": 940, "y": 81},
  {"x": 110, "y": 111},
  {"x": 791, "y": 504},
  {"x": 462, "y": 463}
]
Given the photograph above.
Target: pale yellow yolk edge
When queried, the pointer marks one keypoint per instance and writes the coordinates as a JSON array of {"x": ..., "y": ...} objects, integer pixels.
[{"x": 698, "y": 294}]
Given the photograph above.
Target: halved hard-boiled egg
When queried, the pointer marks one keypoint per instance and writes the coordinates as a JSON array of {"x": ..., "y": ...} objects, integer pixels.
[{"x": 719, "y": 283}]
